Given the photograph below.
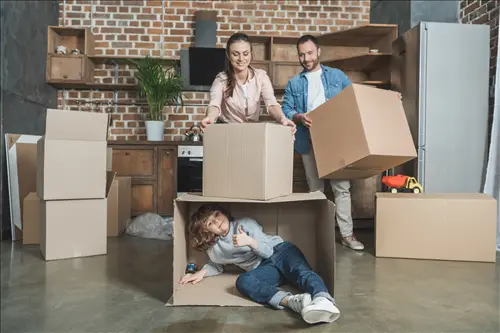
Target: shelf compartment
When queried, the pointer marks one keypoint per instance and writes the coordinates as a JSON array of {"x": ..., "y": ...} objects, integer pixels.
[
  {"x": 80, "y": 38},
  {"x": 74, "y": 68},
  {"x": 369, "y": 62},
  {"x": 261, "y": 47},
  {"x": 372, "y": 36}
]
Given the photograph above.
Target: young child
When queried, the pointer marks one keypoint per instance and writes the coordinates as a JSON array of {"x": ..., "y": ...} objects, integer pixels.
[{"x": 268, "y": 261}]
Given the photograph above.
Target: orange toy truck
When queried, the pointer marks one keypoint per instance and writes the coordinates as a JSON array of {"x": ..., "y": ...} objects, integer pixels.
[{"x": 402, "y": 183}]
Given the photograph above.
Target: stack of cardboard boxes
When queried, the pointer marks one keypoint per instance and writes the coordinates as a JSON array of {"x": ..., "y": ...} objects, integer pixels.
[
  {"x": 360, "y": 133},
  {"x": 78, "y": 203}
]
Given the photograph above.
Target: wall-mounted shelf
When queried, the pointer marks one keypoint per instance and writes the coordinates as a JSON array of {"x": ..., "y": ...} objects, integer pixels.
[
  {"x": 347, "y": 50},
  {"x": 65, "y": 84}
]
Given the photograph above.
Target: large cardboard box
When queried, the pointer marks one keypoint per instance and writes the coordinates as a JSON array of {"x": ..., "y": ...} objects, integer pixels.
[
  {"x": 360, "y": 133},
  {"x": 74, "y": 228},
  {"x": 458, "y": 227},
  {"x": 71, "y": 156},
  {"x": 31, "y": 219},
  {"x": 247, "y": 161},
  {"x": 119, "y": 205},
  {"x": 306, "y": 219}
]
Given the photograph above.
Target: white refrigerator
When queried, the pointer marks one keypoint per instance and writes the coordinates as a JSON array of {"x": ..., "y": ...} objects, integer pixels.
[{"x": 442, "y": 72}]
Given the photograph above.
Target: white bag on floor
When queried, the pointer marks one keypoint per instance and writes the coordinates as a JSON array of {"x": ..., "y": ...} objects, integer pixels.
[{"x": 150, "y": 225}]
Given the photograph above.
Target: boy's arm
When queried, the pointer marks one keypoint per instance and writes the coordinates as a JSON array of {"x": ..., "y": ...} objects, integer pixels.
[
  {"x": 212, "y": 269},
  {"x": 262, "y": 247}
]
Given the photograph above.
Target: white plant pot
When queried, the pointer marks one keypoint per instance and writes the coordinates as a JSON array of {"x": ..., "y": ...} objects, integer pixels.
[{"x": 154, "y": 130}]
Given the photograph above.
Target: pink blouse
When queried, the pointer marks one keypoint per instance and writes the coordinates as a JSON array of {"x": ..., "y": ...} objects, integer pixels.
[{"x": 244, "y": 105}]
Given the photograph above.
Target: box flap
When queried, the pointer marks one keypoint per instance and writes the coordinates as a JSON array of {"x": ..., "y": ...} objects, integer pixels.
[
  {"x": 76, "y": 125},
  {"x": 289, "y": 198},
  {"x": 110, "y": 177}
]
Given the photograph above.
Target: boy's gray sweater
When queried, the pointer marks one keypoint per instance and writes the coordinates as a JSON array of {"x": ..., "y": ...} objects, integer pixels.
[{"x": 224, "y": 252}]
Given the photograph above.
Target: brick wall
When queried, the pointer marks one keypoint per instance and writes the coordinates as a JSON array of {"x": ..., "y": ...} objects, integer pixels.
[
  {"x": 129, "y": 27},
  {"x": 484, "y": 12}
]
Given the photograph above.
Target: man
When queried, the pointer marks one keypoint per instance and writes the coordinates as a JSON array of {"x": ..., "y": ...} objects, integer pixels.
[{"x": 303, "y": 93}]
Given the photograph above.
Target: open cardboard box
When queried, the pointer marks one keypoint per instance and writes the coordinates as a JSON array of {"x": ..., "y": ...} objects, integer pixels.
[
  {"x": 72, "y": 156},
  {"x": 305, "y": 219}
]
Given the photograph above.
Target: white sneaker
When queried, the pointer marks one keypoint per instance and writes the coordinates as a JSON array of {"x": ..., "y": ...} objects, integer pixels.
[
  {"x": 298, "y": 302},
  {"x": 352, "y": 242},
  {"x": 320, "y": 310}
]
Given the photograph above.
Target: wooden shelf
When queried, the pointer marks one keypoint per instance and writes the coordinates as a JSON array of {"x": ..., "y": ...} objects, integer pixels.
[
  {"x": 364, "y": 35},
  {"x": 91, "y": 86},
  {"x": 100, "y": 59},
  {"x": 365, "y": 62}
]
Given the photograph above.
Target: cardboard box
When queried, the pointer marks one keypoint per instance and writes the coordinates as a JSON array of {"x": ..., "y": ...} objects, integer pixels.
[
  {"x": 306, "y": 219},
  {"x": 360, "y": 133},
  {"x": 71, "y": 156},
  {"x": 31, "y": 219},
  {"x": 119, "y": 205},
  {"x": 247, "y": 161},
  {"x": 74, "y": 228},
  {"x": 458, "y": 227}
]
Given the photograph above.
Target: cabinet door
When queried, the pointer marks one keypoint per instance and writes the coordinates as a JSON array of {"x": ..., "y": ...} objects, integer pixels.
[
  {"x": 144, "y": 195},
  {"x": 167, "y": 180}
]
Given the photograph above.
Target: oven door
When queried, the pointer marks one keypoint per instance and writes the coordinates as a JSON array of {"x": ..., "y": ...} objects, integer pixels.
[{"x": 189, "y": 174}]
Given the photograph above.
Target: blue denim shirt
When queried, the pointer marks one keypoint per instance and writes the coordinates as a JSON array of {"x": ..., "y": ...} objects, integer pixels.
[{"x": 295, "y": 99}]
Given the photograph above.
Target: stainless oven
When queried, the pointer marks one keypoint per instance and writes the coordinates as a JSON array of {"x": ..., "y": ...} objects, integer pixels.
[{"x": 189, "y": 169}]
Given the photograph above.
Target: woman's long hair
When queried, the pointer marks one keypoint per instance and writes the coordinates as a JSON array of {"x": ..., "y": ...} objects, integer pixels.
[{"x": 231, "y": 78}]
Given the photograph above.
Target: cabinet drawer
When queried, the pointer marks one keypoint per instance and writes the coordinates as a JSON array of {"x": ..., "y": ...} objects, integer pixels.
[{"x": 137, "y": 162}]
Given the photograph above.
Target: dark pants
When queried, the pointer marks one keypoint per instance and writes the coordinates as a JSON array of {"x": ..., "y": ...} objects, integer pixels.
[{"x": 287, "y": 264}]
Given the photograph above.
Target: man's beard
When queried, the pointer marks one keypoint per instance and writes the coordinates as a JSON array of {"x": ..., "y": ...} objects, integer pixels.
[{"x": 315, "y": 64}]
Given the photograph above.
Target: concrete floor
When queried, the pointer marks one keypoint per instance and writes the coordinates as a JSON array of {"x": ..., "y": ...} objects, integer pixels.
[{"x": 125, "y": 291}]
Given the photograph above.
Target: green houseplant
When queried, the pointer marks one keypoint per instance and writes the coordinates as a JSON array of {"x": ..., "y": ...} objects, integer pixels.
[{"x": 160, "y": 85}]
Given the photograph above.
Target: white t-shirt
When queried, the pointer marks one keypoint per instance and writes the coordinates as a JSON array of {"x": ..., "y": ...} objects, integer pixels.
[{"x": 315, "y": 91}]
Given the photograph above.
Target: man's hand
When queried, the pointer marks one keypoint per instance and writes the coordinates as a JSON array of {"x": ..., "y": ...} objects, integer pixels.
[
  {"x": 287, "y": 122},
  {"x": 193, "y": 278},
  {"x": 301, "y": 117},
  {"x": 205, "y": 122},
  {"x": 242, "y": 239}
]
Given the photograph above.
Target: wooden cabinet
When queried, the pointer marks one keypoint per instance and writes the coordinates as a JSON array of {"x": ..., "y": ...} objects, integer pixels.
[{"x": 153, "y": 168}]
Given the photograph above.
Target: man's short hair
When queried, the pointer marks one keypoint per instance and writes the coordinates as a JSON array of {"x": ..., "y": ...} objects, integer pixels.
[{"x": 306, "y": 38}]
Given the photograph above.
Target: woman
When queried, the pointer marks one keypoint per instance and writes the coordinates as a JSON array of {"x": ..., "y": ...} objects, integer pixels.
[{"x": 236, "y": 93}]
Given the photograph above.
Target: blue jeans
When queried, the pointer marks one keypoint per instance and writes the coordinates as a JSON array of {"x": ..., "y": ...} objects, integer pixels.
[{"x": 287, "y": 264}]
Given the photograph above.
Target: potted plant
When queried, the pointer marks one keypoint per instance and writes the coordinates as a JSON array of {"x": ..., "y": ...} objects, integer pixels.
[{"x": 160, "y": 84}]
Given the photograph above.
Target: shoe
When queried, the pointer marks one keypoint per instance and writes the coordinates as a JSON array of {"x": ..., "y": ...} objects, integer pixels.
[
  {"x": 352, "y": 242},
  {"x": 320, "y": 310},
  {"x": 298, "y": 302}
]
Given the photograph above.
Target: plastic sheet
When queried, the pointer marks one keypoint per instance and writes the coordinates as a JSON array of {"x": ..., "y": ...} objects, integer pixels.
[{"x": 150, "y": 225}]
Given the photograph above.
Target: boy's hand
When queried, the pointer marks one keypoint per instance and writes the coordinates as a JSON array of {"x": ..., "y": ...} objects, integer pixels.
[
  {"x": 193, "y": 278},
  {"x": 242, "y": 239}
]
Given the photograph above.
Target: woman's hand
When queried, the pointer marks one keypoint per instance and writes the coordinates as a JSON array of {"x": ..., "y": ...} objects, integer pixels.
[
  {"x": 205, "y": 122},
  {"x": 287, "y": 122},
  {"x": 193, "y": 278},
  {"x": 242, "y": 239}
]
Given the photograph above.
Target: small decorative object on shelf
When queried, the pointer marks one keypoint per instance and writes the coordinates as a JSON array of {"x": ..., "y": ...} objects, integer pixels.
[
  {"x": 61, "y": 49},
  {"x": 76, "y": 51},
  {"x": 161, "y": 86}
]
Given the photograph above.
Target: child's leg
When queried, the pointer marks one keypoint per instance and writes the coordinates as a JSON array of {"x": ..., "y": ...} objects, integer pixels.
[
  {"x": 292, "y": 263},
  {"x": 261, "y": 286}
]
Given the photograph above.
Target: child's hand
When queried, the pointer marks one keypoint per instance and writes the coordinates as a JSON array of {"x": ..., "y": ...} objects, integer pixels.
[
  {"x": 242, "y": 239},
  {"x": 193, "y": 278}
]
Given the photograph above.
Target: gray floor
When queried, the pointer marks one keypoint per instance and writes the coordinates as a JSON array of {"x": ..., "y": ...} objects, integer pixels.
[{"x": 125, "y": 291}]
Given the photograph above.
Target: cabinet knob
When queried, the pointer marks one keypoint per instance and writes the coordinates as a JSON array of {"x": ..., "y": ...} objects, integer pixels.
[
  {"x": 168, "y": 153},
  {"x": 65, "y": 76},
  {"x": 127, "y": 153}
]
